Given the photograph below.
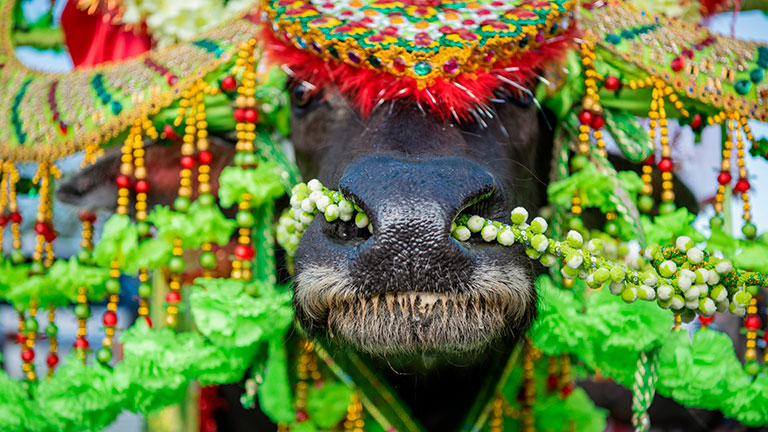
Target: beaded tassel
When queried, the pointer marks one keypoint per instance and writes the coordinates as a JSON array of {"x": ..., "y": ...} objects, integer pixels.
[
  {"x": 207, "y": 257},
  {"x": 306, "y": 369},
  {"x": 13, "y": 178},
  {"x": 52, "y": 331},
  {"x": 496, "y": 423},
  {"x": 742, "y": 184},
  {"x": 752, "y": 325},
  {"x": 246, "y": 117},
  {"x": 354, "y": 422},
  {"x": 28, "y": 351},
  {"x": 566, "y": 385},
  {"x": 529, "y": 388},
  {"x": 82, "y": 309},
  {"x": 724, "y": 178},
  {"x": 110, "y": 315}
]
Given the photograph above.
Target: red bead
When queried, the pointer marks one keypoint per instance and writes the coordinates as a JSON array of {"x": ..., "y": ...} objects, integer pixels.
[
  {"x": 697, "y": 121},
  {"x": 552, "y": 382},
  {"x": 187, "y": 162},
  {"x": 173, "y": 297},
  {"x": 205, "y": 157},
  {"x": 109, "y": 319},
  {"x": 705, "y": 321},
  {"x": 3, "y": 220},
  {"x": 27, "y": 356},
  {"x": 141, "y": 186},
  {"x": 566, "y": 390},
  {"x": 63, "y": 128},
  {"x": 52, "y": 360},
  {"x": 21, "y": 339},
  {"x": 239, "y": 115},
  {"x": 81, "y": 343},
  {"x": 612, "y": 83},
  {"x": 244, "y": 252},
  {"x": 688, "y": 53},
  {"x": 172, "y": 79},
  {"x": 170, "y": 132},
  {"x": 585, "y": 117},
  {"x": 87, "y": 216},
  {"x": 752, "y": 323},
  {"x": 301, "y": 416},
  {"x": 16, "y": 217},
  {"x": 665, "y": 165},
  {"x": 724, "y": 178},
  {"x": 123, "y": 181},
  {"x": 251, "y": 115},
  {"x": 148, "y": 321},
  {"x": 677, "y": 64},
  {"x": 597, "y": 122},
  {"x": 228, "y": 84},
  {"x": 742, "y": 185},
  {"x": 40, "y": 228}
]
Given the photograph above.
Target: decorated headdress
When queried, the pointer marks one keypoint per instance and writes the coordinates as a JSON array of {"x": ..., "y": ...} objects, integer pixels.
[{"x": 617, "y": 315}]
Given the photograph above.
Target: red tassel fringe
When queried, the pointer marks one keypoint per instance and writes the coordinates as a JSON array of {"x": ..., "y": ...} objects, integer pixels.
[{"x": 456, "y": 97}]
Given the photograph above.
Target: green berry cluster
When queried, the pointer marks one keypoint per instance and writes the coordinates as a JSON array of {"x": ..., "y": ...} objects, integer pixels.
[{"x": 681, "y": 277}]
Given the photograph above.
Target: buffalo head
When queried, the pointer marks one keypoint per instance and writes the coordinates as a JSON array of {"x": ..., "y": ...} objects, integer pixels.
[{"x": 407, "y": 287}]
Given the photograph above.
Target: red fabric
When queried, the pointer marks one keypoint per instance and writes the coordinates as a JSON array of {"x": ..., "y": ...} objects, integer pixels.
[
  {"x": 91, "y": 40},
  {"x": 366, "y": 87}
]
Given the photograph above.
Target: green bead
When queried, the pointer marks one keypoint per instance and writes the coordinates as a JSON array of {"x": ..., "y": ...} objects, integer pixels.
[
  {"x": 742, "y": 87},
  {"x": 37, "y": 268},
  {"x": 716, "y": 222},
  {"x": 754, "y": 290},
  {"x": 576, "y": 224},
  {"x": 749, "y": 230},
  {"x": 104, "y": 355},
  {"x": 181, "y": 204},
  {"x": 645, "y": 203},
  {"x": 82, "y": 311},
  {"x": 244, "y": 219},
  {"x": 611, "y": 228},
  {"x": 144, "y": 290},
  {"x": 52, "y": 330},
  {"x": 752, "y": 368},
  {"x": 667, "y": 208},
  {"x": 251, "y": 289},
  {"x": 206, "y": 199},
  {"x": 578, "y": 162},
  {"x": 238, "y": 159},
  {"x": 83, "y": 256},
  {"x": 112, "y": 286},
  {"x": 248, "y": 159},
  {"x": 143, "y": 228},
  {"x": 422, "y": 68},
  {"x": 208, "y": 260},
  {"x": 176, "y": 264},
  {"x": 17, "y": 257},
  {"x": 30, "y": 324},
  {"x": 756, "y": 75}
]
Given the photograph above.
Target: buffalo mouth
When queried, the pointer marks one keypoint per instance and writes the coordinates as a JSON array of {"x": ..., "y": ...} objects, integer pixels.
[{"x": 497, "y": 302}]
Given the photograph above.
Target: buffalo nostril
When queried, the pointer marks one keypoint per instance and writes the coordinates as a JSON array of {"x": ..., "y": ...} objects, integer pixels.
[{"x": 346, "y": 231}]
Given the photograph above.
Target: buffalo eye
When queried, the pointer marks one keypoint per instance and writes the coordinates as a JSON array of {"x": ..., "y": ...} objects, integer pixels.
[{"x": 302, "y": 94}]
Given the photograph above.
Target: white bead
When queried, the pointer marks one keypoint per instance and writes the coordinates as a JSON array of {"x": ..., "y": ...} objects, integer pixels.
[
  {"x": 695, "y": 255},
  {"x": 539, "y": 225},
  {"x": 684, "y": 243},
  {"x": 315, "y": 196},
  {"x": 519, "y": 215},
  {"x": 295, "y": 202},
  {"x": 692, "y": 304},
  {"x": 314, "y": 185},
  {"x": 506, "y": 237},
  {"x": 616, "y": 288},
  {"x": 677, "y": 302},
  {"x": 489, "y": 233},
  {"x": 361, "y": 220},
  {"x": 307, "y": 205},
  {"x": 575, "y": 261},
  {"x": 475, "y": 223},
  {"x": 664, "y": 292},
  {"x": 575, "y": 238},
  {"x": 724, "y": 267},
  {"x": 462, "y": 233},
  {"x": 323, "y": 202}
]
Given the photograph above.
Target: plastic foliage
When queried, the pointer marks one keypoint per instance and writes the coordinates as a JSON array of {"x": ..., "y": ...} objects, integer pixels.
[{"x": 262, "y": 183}]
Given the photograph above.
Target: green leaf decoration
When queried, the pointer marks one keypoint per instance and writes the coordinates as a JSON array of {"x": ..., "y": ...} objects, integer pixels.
[
  {"x": 39, "y": 288},
  {"x": 150, "y": 253},
  {"x": 70, "y": 275},
  {"x": 227, "y": 315},
  {"x": 275, "y": 396},
  {"x": 576, "y": 412},
  {"x": 262, "y": 183},
  {"x": 11, "y": 275},
  {"x": 628, "y": 134},
  {"x": 210, "y": 224},
  {"x": 98, "y": 403},
  {"x": 328, "y": 404},
  {"x": 594, "y": 188},
  {"x": 118, "y": 240},
  {"x": 171, "y": 224},
  {"x": 665, "y": 228},
  {"x": 17, "y": 411}
]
